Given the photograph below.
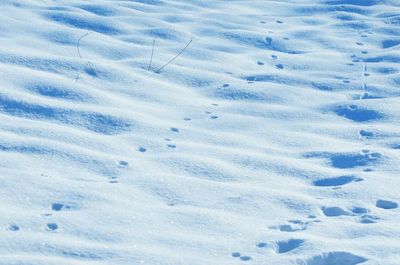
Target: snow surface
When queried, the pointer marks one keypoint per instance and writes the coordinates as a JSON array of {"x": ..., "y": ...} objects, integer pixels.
[{"x": 273, "y": 138}]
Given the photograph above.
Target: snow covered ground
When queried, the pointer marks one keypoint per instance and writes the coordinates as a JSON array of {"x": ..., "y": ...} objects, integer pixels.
[{"x": 273, "y": 138}]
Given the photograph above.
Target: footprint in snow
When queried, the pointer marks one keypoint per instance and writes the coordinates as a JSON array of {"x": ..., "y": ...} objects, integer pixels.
[
  {"x": 365, "y": 217},
  {"x": 57, "y": 206},
  {"x": 336, "y": 181},
  {"x": 359, "y": 210},
  {"x": 123, "y": 164},
  {"x": 13, "y": 227},
  {"x": 336, "y": 257},
  {"x": 113, "y": 180},
  {"x": 142, "y": 149},
  {"x": 357, "y": 113},
  {"x": 51, "y": 226},
  {"x": 335, "y": 211},
  {"x": 386, "y": 204},
  {"x": 366, "y": 134},
  {"x": 368, "y": 219},
  {"x": 288, "y": 245},
  {"x": 295, "y": 225},
  {"x": 238, "y": 255},
  {"x": 363, "y": 213},
  {"x": 261, "y": 245},
  {"x": 348, "y": 160},
  {"x": 245, "y": 258}
]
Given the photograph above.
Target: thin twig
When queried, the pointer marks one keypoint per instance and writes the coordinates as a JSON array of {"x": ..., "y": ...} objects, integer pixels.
[
  {"x": 364, "y": 74},
  {"x": 173, "y": 59},
  {"x": 152, "y": 53},
  {"x": 79, "y": 42}
]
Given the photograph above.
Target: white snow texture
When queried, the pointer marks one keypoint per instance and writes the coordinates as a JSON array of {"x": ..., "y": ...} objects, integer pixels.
[{"x": 199, "y": 132}]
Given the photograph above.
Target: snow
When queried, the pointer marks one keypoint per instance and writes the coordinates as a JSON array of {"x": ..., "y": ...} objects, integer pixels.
[{"x": 272, "y": 138}]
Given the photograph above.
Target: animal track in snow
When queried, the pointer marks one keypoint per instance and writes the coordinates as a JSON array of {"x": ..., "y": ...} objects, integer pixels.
[
  {"x": 13, "y": 227},
  {"x": 123, "y": 164},
  {"x": 113, "y": 180},
  {"x": 368, "y": 219},
  {"x": 262, "y": 245},
  {"x": 348, "y": 160},
  {"x": 365, "y": 217},
  {"x": 57, "y": 206},
  {"x": 334, "y": 211},
  {"x": 334, "y": 258},
  {"x": 51, "y": 226},
  {"x": 336, "y": 181},
  {"x": 245, "y": 258},
  {"x": 295, "y": 225},
  {"x": 238, "y": 255},
  {"x": 287, "y": 228},
  {"x": 362, "y": 213},
  {"x": 289, "y": 245},
  {"x": 357, "y": 113},
  {"x": 359, "y": 210},
  {"x": 142, "y": 149},
  {"x": 366, "y": 134},
  {"x": 386, "y": 204},
  {"x": 290, "y": 228}
]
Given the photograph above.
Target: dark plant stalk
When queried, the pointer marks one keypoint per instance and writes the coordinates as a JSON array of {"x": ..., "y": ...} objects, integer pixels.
[
  {"x": 151, "y": 58},
  {"x": 173, "y": 59}
]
